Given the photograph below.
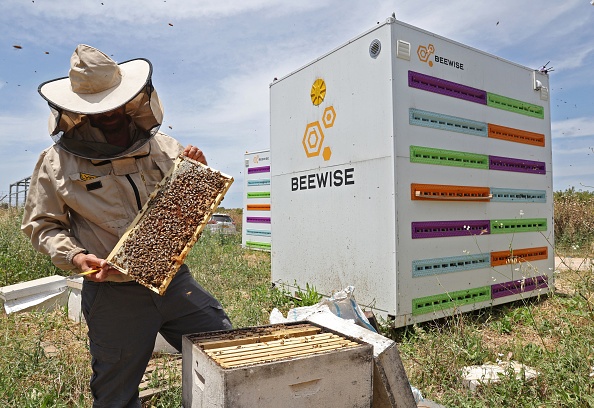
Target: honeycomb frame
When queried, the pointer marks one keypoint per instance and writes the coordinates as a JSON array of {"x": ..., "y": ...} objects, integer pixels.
[{"x": 156, "y": 243}]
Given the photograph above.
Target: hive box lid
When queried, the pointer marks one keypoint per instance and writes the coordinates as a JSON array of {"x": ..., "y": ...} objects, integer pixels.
[{"x": 32, "y": 287}]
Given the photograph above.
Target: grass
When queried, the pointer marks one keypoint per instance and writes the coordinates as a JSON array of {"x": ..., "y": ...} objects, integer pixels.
[
  {"x": 45, "y": 361},
  {"x": 18, "y": 261}
]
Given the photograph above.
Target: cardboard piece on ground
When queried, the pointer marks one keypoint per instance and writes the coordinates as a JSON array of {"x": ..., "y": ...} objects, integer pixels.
[{"x": 391, "y": 388}]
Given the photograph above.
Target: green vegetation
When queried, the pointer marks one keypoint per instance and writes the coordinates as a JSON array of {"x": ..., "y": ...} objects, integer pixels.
[
  {"x": 45, "y": 361},
  {"x": 574, "y": 220},
  {"x": 19, "y": 262}
]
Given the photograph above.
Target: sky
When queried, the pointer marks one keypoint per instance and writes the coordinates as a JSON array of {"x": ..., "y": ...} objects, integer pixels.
[{"x": 213, "y": 62}]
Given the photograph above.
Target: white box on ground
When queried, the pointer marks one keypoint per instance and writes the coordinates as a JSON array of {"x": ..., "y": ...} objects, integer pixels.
[
  {"x": 39, "y": 294},
  {"x": 338, "y": 374},
  {"x": 75, "y": 299}
]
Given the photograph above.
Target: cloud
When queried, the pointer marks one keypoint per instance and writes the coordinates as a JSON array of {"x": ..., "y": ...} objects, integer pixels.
[
  {"x": 25, "y": 128},
  {"x": 151, "y": 11},
  {"x": 575, "y": 127}
]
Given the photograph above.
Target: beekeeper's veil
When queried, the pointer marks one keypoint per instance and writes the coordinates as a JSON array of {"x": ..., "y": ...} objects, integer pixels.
[{"x": 97, "y": 84}]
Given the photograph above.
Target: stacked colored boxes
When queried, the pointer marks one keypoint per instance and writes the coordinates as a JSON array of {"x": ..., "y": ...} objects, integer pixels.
[
  {"x": 535, "y": 281},
  {"x": 256, "y": 232}
]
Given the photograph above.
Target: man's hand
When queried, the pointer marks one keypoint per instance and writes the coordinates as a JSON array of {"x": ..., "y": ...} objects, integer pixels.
[
  {"x": 85, "y": 262},
  {"x": 194, "y": 153}
]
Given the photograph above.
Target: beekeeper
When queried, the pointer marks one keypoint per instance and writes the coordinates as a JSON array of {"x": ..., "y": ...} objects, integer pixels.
[{"x": 107, "y": 157}]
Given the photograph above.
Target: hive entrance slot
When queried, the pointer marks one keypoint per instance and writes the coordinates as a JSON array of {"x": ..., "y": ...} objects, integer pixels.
[
  {"x": 448, "y": 88},
  {"x": 518, "y": 255},
  {"x": 514, "y": 105},
  {"x": 449, "y": 192},
  {"x": 516, "y": 135}
]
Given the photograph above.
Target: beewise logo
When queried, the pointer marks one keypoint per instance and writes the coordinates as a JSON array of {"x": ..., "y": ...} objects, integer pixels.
[
  {"x": 313, "y": 146},
  {"x": 424, "y": 53},
  {"x": 313, "y": 138}
]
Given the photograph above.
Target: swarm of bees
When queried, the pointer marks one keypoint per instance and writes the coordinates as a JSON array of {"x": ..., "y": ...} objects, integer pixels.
[{"x": 157, "y": 242}]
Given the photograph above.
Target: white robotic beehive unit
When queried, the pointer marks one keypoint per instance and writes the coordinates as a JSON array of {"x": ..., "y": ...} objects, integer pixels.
[
  {"x": 418, "y": 170},
  {"x": 256, "y": 233}
]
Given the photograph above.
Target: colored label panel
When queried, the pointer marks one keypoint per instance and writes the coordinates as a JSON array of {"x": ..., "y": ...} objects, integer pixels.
[
  {"x": 258, "y": 220},
  {"x": 513, "y": 195},
  {"x": 446, "y": 122},
  {"x": 514, "y": 105},
  {"x": 516, "y": 135},
  {"x": 516, "y": 165},
  {"x": 258, "y": 182},
  {"x": 259, "y": 194},
  {"x": 450, "y": 300},
  {"x": 261, "y": 169},
  {"x": 448, "y": 88},
  {"x": 449, "y": 192},
  {"x": 258, "y": 245},
  {"x": 259, "y": 233},
  {"x": 514, "y": 256},
  {"x": 429, "y": 155},
  {"x": 462, "y": 228},
  {"x": 258, "y": 207},
  {"x": 437, "y": 266},
  {"x": 518, "y": 225},
  {"x": 519, "y": 286}
]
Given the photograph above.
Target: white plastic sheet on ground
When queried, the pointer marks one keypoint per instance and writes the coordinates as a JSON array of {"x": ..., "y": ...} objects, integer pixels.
[{"x": 342, "y": 304}]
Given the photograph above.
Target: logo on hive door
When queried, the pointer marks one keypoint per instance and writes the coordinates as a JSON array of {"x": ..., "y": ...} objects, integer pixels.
[
  {"x": 314, "y": 144},
  {"x": 313, "y": 138},
  {"x": 424, "y": 53}
]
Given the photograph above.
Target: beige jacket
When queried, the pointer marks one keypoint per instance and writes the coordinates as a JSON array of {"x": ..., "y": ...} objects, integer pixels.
[{"x": 76, "y": 204}]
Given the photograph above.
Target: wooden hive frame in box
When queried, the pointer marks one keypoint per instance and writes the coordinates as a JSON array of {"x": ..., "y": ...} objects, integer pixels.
[
  {"x": 156, "y": 243},
  {"x": 273, "y": 343}
]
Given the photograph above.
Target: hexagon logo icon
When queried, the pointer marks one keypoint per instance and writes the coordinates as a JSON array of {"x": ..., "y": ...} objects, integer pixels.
[
  {"x": 329, "y": 117},
  {"x": 425, "y": 52},
  {"x": 318, "y": 91},
  {"x": 327, "y": 153},
  {"x": 313, "y": 138}
]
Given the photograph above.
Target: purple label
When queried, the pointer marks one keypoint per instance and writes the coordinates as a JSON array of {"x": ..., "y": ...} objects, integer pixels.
[
  {"x": 261, "y": 169},
  {"x": 517, "y": 165},
  {"x": 436, "y": 229},
  {"x": 518, "y": 286},
  {"x": 258, "y": 220},
  {"x": 448, "y": 88}
]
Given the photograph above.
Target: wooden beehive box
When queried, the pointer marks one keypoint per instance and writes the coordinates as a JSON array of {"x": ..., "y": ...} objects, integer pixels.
[
  {"x": 158, "y": 240},
  {"x": 284, "y": 365}
]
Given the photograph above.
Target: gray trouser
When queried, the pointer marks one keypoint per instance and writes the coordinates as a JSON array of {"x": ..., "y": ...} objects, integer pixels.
[{"x": 123, "y": 321}]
